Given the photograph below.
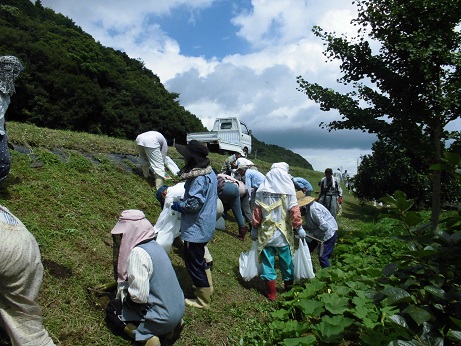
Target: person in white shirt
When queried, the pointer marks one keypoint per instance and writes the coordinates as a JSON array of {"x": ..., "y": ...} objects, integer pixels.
[
  {"x": 321, "y": 225},
  {"x": 152, "y": 149},
  {"x": 10, "y": 68},
  {"x": 149, "y": 305},
  {"x": 21, "y": 275}
]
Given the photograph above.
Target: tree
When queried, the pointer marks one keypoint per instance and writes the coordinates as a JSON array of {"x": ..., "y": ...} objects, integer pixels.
[{"x": 410, "y": 87}]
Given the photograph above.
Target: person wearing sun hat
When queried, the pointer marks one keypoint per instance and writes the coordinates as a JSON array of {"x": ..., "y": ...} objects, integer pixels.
[
  {"x": 198, "y": 219},
  {"x": 322, "y": 227},
  {"x": 275, "y": 217},
  {"x": 149, "y": 305}
]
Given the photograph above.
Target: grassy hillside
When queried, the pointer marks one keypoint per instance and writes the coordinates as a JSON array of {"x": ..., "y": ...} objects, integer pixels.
[{"x": 69, "y": 189}]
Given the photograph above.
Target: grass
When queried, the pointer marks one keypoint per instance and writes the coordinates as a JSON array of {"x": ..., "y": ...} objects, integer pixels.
[{"x": 69, "y": 189}]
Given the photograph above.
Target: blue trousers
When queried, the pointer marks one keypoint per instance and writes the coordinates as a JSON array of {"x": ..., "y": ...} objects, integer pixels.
[
  {"x": 329, "y": 246},
  {"x": 195, "y": 263},
  {"x": 231, "y": 195},
  {"x": 268, "y": 263}
]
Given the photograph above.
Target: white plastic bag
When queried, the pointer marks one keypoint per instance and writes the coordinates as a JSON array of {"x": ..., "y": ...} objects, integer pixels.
[
  {"x": 302, "y": 262},
  {"x": 171, "y": 165},
  {"x": 249, "y": 266}
]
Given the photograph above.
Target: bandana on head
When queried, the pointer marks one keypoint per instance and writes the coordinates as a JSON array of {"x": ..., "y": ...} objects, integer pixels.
[{"x": 10, "y": 68}]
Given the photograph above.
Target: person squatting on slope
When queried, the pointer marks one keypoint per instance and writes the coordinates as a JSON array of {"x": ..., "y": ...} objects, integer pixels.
[
  {"x": 10, "y": 68},
  {"x": 275, "y": 215},
  {"x": 198, "y": 219},
  {"x": 21, "y": 276},
  {"x": 322, "y": 227},
  {"x": 168, "y": 225},
  {"x": 330, "y": 192},
  {"x": 234, "y": 194},
  {"x": 149, "y": 305},
  {"x": 152, "y": 149}
]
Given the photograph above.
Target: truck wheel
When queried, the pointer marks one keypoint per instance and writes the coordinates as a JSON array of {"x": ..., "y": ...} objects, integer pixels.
[{"x": 245, "y": 150}]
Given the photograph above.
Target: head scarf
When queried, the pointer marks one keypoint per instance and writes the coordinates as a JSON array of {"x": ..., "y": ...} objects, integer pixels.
[
  {"x": 278, "y": 180},
  {"x": 10, "y": 68},
  {"x": 135, "y": 229}
]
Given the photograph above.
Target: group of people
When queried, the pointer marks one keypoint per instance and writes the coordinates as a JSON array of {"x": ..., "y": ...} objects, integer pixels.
[{"x": 150, "y": 303}]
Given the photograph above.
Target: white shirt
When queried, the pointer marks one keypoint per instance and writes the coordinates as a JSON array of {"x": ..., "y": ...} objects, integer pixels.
[
  {"x": 320, "y": 222},
  {"x": 139, "y": 270}
]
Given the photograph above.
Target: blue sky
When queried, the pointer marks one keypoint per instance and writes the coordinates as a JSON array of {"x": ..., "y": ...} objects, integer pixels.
[{"x": 236, "y": 58}]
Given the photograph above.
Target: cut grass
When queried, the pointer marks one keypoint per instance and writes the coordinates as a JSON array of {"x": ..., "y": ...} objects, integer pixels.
[{"x": 69, "y": 192}]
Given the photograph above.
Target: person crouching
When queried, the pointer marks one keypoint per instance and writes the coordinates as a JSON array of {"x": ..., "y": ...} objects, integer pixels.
[{"x": 150, "y": 303}]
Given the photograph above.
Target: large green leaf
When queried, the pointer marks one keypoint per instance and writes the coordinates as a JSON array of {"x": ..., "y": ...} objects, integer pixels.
[
  {"x": 308, "y": 340},
  {"x": 419, "y": 315},
  {"x": 436, "y": 291},
  {"x": 454, "y": 335},
  {"x": 396, "y": 295},
  {"x": 412, "y": 218},
  {"x": 330, "y": 329},
  {"x": 310, "y": 307},
  {"x": 335, "y": 304}
]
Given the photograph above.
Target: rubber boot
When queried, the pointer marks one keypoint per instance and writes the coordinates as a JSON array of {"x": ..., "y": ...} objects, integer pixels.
[
  {"x": 271, "y": 290},
  {"x": 242, "y": 232},
  {"x": 288, "y": 285},
  {"x": 203, "y": 298},
  {"x": 210, "y": 280},
  {"x": 130, "y": 329},
  {"x": 159, "y": 182},
  {"x": 153, "y": 341}
]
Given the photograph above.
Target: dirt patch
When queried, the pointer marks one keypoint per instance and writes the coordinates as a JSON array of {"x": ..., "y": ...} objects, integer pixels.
[{"x": 56, "y": 269}]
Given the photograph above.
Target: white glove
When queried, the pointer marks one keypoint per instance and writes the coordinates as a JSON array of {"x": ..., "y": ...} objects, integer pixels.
[
  {"x": 254, "y": 234},
  {"x": 301, "y": 232}
]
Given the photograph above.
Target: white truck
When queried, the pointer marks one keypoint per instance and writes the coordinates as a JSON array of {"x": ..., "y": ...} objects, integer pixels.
[{"x": 228, "y": 135}]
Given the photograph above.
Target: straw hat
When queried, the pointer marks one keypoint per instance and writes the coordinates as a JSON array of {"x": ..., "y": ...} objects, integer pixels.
[{"x": 303, "y": 200}]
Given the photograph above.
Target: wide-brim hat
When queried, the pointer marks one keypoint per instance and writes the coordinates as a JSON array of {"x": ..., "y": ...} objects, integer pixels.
[
  {"x": 302, "y": 199},
  {"x": 193, "y": 148},
  {"x": 242, "y": 166},
  {"x": 125, "y": 217}
]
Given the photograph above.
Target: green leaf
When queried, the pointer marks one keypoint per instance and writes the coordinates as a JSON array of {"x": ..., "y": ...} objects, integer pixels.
[
  {"x": 335, "y": 304},
  {"x": 308, "y": 340},
  {"x": 456, "y": 321},
  {"x": 419, "y": 315},
  {"x": 400, "y": 322},
  {"x": 436, "y": 291},
  {"x": 454, "y": 335},
  {"x": 330, "y": 329},
  {"x": 396, "y": 295},
  {"x": 310, "y": 307},
  {"x": 281, "y": 314},
  {"x": 412, "y": 218}
]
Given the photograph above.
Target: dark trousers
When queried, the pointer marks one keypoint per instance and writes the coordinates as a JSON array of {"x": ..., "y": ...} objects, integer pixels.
[
  {"x": 195, "y": 263},
  {"x": 5, "y": 157},
  {"x": 328, "y": 246}
]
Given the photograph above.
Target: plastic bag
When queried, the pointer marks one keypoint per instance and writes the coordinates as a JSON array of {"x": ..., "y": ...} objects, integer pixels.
[
  {"x": 171, "y": 165},
  {"x": 249, "y": 266},
  {"x": 302, "y": 262}
]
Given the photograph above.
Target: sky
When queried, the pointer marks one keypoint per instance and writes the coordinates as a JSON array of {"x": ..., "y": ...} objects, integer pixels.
[{"x": 237, "y": 58}]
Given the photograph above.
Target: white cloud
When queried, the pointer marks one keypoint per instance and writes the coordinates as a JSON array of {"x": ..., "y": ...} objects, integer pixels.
[{"x": 259, "y": 85}]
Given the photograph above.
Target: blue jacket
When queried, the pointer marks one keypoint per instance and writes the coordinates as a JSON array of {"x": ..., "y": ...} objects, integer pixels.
[{"x": 198, "y": 219}]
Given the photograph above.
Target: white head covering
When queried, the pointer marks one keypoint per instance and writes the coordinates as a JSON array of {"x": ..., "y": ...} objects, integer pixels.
[
  {"x": 278, "y": 180},
  {"x": 135, "y": 229}
]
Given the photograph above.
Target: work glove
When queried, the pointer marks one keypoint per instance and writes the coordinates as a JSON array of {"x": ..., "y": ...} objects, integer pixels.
[
  {"x": 301, "y": 232},
  {"x": 340, "y": 200},
  {"x": 175, "y": 206},
  {"x": 254, "y": 234}
]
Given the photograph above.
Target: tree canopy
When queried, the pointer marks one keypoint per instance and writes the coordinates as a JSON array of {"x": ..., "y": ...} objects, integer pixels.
[
  {"x": 407, "y": 88},
  {"x": 70, "y": 81}
]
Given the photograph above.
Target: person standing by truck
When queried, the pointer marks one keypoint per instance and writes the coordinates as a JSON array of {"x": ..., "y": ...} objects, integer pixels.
[{"x": 152, "y": 149}]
